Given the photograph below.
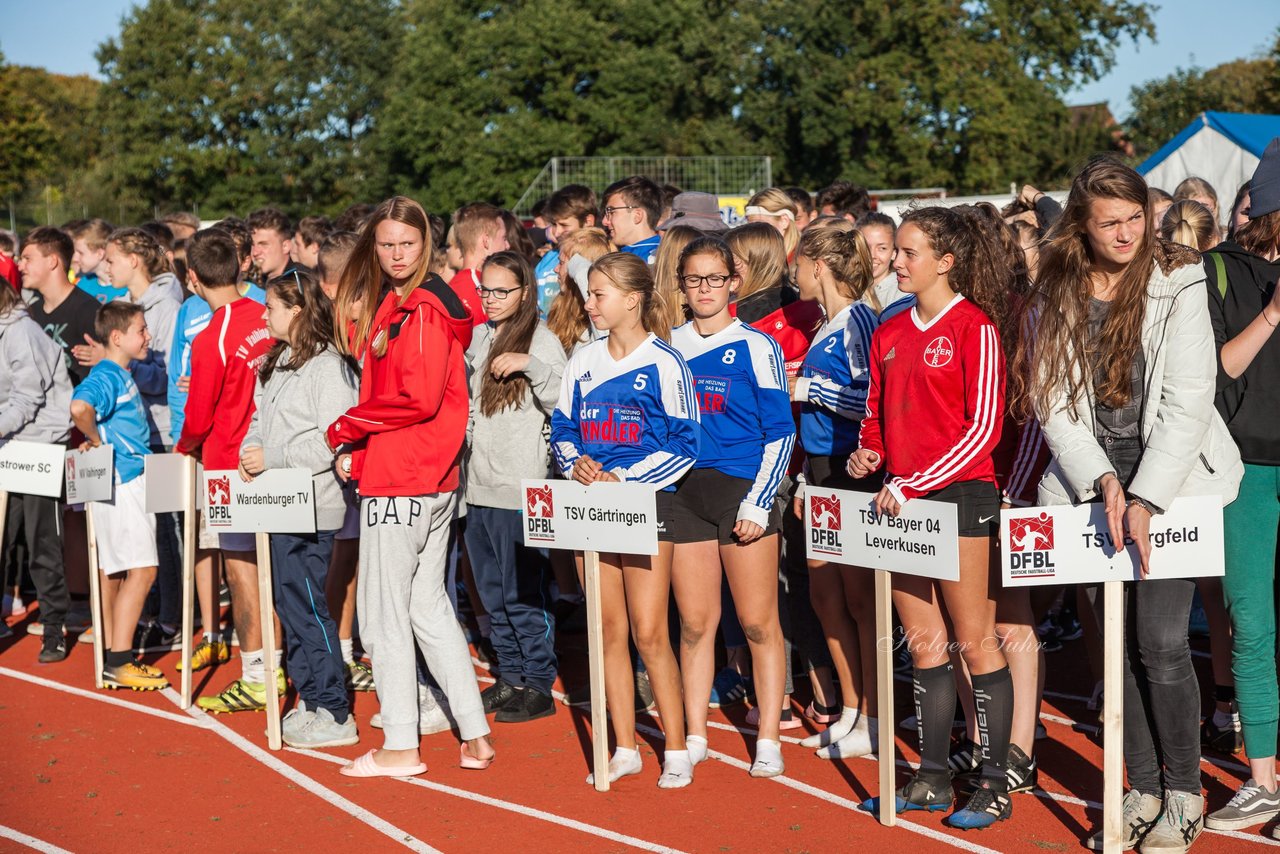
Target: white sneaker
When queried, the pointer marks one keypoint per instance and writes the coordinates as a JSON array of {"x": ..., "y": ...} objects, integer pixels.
[
  {"x": 433, "y": 712},
  {"x": 321, "y": 730}
]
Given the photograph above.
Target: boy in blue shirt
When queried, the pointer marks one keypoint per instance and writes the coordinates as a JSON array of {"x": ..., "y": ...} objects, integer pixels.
[{"x": 108, "y": 409}]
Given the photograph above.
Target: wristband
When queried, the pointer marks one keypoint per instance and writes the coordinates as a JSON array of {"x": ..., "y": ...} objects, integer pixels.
[
  {"x": 1267, "y": 319},
  {"x": 1141, "y": 502}
]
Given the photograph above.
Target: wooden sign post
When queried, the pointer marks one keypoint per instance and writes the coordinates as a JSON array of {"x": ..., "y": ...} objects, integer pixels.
[
  {"x": 595, "y": 657},
  {"x": 266, "y": 600},
  {"x": 884, "y": 682},
  {"x": 1112, "y": 717},
  {"x": 100, "y": 620},
  {"x": 89, "y": 477},
  {"x": 171, "y": 488}
]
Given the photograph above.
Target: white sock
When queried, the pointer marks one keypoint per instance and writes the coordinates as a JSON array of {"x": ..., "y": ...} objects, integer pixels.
[
  {"x": 625, "y": 762},
  {"x": 861, "y": 741},
  {"x": 483, "y": 622},
  {"x": 768, "y": 759},
  {"x": 697, "y": 747},
  {"x": 677, "y": 770},
  {"x": 348, "y": 650},
  {"x": 252, "y": 667},
  {"x": 279, "y": 657},
  {"x": 211, "y": 637},
  {"x": 835, "y": 732}
]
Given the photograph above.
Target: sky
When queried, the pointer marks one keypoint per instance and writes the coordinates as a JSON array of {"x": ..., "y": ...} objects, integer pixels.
[{"x": 62, "y": 35}]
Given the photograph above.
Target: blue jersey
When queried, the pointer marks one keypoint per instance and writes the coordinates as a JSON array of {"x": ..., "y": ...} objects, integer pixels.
[
  {"x": 100, "y": 290},
  {"x": 636, "y": 417},
  {"x": 832, "y": 388},
  {"x": 121, "y": 415},
  {"x": 548, "y": 282},
  {"x": 643, "y": 248},
  {"x": 744, "y": 409},
  {"x": 193, "y": 317}
]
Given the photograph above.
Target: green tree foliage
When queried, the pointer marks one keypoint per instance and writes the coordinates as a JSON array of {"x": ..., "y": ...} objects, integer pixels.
[
  {"x": 227, "y": 104},
  {"x": 26, "y": 136}
]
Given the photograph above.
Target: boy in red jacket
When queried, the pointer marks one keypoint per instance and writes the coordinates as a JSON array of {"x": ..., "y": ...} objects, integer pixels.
[{"x": 224, "y": 365}]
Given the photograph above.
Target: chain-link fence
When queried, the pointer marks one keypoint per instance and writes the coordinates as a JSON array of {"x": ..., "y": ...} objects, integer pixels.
[
  {"x": 52, "y": 205},
  {"x": 722, "y": 176}
]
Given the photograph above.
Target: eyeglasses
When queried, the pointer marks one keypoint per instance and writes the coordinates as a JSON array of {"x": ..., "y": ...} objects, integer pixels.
[
  {"x": 609, "y": 211},
  {"x": 499, "y": 294},
  {"x": 693, "y": 283}
]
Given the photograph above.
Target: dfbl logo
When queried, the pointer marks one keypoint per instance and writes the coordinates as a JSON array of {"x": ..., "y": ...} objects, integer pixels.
[
  {"x": 219, "y": 500},
  {"x": 539, "y": 509},
  {"x": 1031, "y": 543},
  {"x": 824, "y": 533},
  {"x": 71, "y": 469}
]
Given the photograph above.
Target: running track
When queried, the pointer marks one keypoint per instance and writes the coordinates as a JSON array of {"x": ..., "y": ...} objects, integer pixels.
[{"x": 96, "y": 771}]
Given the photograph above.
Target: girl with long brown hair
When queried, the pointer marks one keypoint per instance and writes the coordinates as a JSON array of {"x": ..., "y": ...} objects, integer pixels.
[
  {"x": 516, "y": 366},
  {"x": 1120, "y": 370},
  {"x": 567, "y": 318}
]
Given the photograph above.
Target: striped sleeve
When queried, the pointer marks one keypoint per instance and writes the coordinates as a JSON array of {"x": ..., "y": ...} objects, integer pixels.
[
  {"x": 1029, "y": 462},
  {"x": 665, "y": 466},
  {"x": 564, "y": 423},
  {"x": 849, "y": 401},
  {"x": 984, "y": 407},
  {"x": 776, "y": 426}
]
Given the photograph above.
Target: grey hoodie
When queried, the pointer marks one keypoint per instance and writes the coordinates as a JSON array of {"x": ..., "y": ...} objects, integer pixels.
[
  {"x": 35, "y": 390},
  {"x": 512, "y": 444},
  {"x": 160, "y": 303},
  {"x": 292, "y": 412}
]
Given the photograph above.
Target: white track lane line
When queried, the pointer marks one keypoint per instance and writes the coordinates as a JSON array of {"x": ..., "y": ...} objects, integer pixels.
[
  {"x": 30, "y": 841},
  {"x": 102, "y": 698},
  {"x": 302, "y": 780},
  {"x": 521, "y": 809}
]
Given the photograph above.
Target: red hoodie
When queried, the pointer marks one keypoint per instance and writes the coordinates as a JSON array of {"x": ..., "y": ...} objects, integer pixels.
[
  {"x": 413, "y": 407},
  {"x": 465, "y": 284}
]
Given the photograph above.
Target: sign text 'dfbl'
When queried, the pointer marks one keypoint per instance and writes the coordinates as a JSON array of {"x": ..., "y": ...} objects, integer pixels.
[
  {"x": 90, "y": 474},
  {"x": 603, "y": 517},
  {"x": 843, "y": 527},
  {"x": 278, "y": 501}
]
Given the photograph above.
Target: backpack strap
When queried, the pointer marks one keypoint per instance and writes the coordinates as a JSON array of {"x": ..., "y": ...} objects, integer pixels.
[{"x": 1221, "y": 269}]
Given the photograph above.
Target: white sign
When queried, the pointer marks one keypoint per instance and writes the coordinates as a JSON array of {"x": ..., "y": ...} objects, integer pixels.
[
  {"x": 165, "y": 474},
  {"x": 279, "y": 501},
  {"x": 620, "y": 518},
  {"x": 91, "y": 474},
  {"x": 33, "y": 468},
  {"x": 843, "y": 527},
  {"x": 1072, "y": 545}
]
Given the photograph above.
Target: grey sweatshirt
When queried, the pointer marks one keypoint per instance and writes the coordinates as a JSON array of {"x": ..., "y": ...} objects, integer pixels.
[
  {"x": 513, "y": 444},
  {"x": 160, "y": 303},
  {"x": 35, "y": 390},
  {"x": 293, "y": 410}
]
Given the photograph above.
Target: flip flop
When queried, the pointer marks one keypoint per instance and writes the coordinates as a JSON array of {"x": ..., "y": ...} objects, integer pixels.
[
  {"x": 365, "y": 766},
  {"x": 466, "y": 760}
]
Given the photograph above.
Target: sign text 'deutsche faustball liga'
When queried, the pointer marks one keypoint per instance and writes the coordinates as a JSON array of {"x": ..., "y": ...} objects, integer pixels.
[
  {"x": 843, "y": 527},
  {"x": 603, "y": 517}
]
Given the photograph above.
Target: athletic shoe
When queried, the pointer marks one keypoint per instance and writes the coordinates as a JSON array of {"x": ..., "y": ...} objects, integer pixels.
[
  {"x": 1178, "y": 826},
  {"x": 811, "y": 712},
  {"x": 529, "y": 705},
  {"x": 239, "y": 696},
  {"x": 644, "y": 692},
  {"x": 921, "y": 793},
  {"x": 12, "y": 606},
  {"x": 294, "y": 721},
  {"x": 1069, "y": 629},
  {"x": 433, "y": 712},
  {"x": 153, "y": 637},
  {"x": 1227, "y": 740},
  {"x": 485, "y": 653},
  {"x": 986, "y": 806},
  {"x": 1251, "y": 805},
  {"x": 786, "y": 722},
  {"x": 321, "y": 730},
  {"x": 206, "y": 654},
  {"x": 359, "y": 677},
  {"x": 5, "y": 631},
  {"x": 729, "y": 687},
  {"x": 134, "y": 675},
  {"x": 965, "y": 761},
  {"x": 1020, "y": 770},
  {"x": 53, "y": 646},
  {"x": 1140, "y": 813},
  {"x": 498, "y": 695}
]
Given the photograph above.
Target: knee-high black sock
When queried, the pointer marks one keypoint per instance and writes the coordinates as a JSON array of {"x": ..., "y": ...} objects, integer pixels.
[
  {"x": 935, "y": 693},
  {"x": 993, "y": 703}
]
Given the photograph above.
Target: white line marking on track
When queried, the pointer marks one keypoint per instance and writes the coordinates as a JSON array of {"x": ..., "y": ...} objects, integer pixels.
[
  {"x": 297, "y": 777},
  {"x": 511, "y": 807},
  {"x": 30, "y": 841},
  {"x": 102, "y": 698}
]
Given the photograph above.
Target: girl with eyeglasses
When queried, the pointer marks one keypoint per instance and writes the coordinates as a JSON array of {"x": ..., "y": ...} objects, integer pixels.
[
  {"x": 516, "y": 365},
  {"x": 724, "y": 511}
]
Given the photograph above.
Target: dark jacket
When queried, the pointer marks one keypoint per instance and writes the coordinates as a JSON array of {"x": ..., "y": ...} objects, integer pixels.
[{"x": 1250, "y": 403}]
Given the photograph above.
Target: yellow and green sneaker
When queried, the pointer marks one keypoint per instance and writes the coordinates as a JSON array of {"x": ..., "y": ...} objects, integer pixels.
[
  {"x": 208, "y": 653},
  {"x": 242, "y": 696}
]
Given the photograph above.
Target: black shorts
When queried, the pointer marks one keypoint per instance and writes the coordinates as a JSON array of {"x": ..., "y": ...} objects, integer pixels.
[
  {"x": 705, "y": 507},
  {"x": 833, "y": 473},
  {"x": 665, "y": 502},
  {"x": 977, "y": 506}
]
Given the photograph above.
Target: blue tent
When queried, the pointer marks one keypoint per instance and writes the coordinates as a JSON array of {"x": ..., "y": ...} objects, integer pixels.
[{"x": 1222, "y": 148}]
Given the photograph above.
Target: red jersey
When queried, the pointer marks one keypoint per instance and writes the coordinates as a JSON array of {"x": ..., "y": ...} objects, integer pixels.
[
  {"x": 414, "y": 402},
  {"x": 1020, "y": 459},
  {"x": 465, "y": 284},
  {"x": 224, "y": 367},
  {"x": 936, "y": 399}
]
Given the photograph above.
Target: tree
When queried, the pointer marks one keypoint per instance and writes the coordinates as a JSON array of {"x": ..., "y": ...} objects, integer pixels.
[
  {"x": 25, "y": 134},
  {"x": 229, "y": 104}
]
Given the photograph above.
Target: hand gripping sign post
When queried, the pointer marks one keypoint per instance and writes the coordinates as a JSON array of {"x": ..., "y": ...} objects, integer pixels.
[
  {"x": 617, "y": 518},
  {"x": 90, "y": 476},
  {"x": 171, "y": 488},
  {"x": 279, "y": 501},
  {"x": 1072, "y": 545},
  {"x": 843, "y": 527}
]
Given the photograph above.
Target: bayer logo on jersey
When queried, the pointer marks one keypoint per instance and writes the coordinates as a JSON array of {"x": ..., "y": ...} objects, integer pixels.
[{"x": 939, "y": 352}]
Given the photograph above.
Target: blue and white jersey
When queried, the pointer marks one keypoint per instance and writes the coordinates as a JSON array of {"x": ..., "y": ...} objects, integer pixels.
[
  {"x": 636, "y": 416},
  {"x": 548, "y": 283},
  {"x": 645, "y": 249},
  {"x": 744, "y": 409},
  {"x": 92, "y": 285},
  {"x": 121, "y": 414},
  {"x": 833, "y": 382}
]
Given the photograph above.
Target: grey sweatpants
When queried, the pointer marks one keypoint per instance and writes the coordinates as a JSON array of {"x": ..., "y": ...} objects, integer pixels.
[{"x": 404, "y": 547}]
